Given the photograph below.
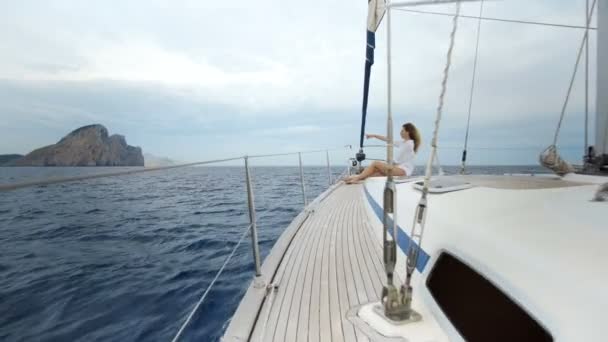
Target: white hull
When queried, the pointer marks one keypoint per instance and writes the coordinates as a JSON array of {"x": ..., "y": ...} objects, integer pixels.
[{"x": 539, "y": 240}]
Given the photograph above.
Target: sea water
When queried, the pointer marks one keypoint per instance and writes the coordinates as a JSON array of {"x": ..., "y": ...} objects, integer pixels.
[{"x": 126, "y": 258}]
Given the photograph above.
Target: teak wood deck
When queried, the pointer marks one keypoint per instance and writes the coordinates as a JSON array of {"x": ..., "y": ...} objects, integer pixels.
[{"x": 325, "y": 263}]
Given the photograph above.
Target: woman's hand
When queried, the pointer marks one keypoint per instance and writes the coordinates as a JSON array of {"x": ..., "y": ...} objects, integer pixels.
[{"x": 375, "y": 136}]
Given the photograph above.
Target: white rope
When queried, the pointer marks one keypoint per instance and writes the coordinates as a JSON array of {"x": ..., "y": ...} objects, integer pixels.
[
  {"x": 420, "y": 215},
  {"x": 444, "y": 83},
  {"x": 438, "y": 163},
  {"x": 202, "y": 299},
  {"x": 472, "y": 91}
]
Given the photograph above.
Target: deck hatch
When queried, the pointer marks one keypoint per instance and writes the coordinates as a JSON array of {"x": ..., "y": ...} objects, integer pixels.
[{"x": 478, "y": 309}]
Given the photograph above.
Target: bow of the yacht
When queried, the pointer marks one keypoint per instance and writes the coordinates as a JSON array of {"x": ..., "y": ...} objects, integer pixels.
[
  {"x": 475, "y": 258},
  {"x": 326, "y": 263},
  {"x": 503, "y": 257}
]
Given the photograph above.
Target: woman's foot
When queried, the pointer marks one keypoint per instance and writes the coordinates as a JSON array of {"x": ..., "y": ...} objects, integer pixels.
[{"x": 351, "y": 179}]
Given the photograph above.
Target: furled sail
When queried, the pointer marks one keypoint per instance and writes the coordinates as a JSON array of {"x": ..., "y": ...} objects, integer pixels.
[{"x": 375, "y": 12}]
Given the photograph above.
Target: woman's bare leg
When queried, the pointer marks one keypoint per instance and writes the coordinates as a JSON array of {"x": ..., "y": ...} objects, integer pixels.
[{"x": 377, "y": 167}]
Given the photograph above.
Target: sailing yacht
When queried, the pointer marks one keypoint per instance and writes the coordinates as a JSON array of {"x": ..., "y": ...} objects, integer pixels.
[{"x": 443, "y": 258}]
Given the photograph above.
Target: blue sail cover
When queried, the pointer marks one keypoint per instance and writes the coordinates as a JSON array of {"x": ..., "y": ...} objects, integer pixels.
[{"x": 375, "y": 13}]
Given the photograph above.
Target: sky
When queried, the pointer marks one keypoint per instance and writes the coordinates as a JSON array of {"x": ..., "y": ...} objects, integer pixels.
[{"x": 198, "y": 80}]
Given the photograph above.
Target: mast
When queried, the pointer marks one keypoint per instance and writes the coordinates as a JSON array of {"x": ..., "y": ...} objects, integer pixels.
[
  {"x": 601, "y": 121},
  {"x": 392, "y": 299}
]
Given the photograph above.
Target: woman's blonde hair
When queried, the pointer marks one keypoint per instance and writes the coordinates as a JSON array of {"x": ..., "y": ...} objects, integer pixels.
[{"x": 414, "y": 134}]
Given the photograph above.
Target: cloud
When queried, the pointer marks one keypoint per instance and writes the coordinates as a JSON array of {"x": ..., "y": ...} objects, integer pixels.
[
  {"x": 149, "y": 63},
  {"x": 290, "y": 130},
  {"x": 249, "y": 75}
]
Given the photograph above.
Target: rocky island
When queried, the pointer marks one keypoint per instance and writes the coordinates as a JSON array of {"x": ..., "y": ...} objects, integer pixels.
[{"x": 86, "y": 146}]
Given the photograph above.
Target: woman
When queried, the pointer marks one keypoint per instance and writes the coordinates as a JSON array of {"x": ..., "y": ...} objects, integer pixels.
[{"x": 405, "y": 152}]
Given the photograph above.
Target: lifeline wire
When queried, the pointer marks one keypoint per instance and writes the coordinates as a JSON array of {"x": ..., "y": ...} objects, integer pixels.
[{"x": 200, "y": 301}]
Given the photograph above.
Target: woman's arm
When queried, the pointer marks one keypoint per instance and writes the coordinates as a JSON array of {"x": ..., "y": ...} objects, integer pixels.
[{"x": 379, "y": 137}]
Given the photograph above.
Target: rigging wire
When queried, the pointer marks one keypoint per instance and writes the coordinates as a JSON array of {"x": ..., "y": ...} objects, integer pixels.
[
  {"x": 586, "y": 152},
  {"x": 56, "y": 180},
  {"x": 550, "y": 157},
  {"x": 466, "y": 137},
  {"x": 478, "y": 147},
  {"x": 578, "y": 59},
  {"x": 202, "y": 299},
  {"x": 514, "y": 21}
]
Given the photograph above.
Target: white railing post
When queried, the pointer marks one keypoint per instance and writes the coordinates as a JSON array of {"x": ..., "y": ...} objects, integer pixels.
[
  {"x": 302, "y": 179},
  {"x": 328, "y": 168},
  {"x": 254, "y": 230}
]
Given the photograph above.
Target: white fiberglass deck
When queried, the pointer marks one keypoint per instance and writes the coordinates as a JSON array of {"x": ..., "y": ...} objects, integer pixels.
[{"x": 332, "y": 264}]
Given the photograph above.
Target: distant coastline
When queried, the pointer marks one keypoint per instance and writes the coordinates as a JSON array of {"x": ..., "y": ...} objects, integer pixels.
[{"x": 7, "y": 159}]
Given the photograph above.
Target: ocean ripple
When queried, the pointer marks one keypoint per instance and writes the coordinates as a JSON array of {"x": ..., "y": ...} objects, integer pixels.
[{"x": 126, "y": 258}]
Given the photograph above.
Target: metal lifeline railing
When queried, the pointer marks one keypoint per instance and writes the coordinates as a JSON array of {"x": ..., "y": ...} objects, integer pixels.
[
  {"x": 217, "y": 275},
  {"x": 57, "y": 180},
  {"x": 252, "y": 227}
]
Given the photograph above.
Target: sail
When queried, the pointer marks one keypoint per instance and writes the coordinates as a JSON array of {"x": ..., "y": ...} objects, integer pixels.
[{"x": 375, "y": 12}]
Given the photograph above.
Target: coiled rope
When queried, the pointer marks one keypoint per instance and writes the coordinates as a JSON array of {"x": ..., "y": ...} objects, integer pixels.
[
  {"x": 550, "y": 158},
  {"x": 202, "y": 299}
]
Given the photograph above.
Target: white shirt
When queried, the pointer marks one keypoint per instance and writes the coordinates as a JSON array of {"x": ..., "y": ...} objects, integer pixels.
[{"x": 404, "y": 155}]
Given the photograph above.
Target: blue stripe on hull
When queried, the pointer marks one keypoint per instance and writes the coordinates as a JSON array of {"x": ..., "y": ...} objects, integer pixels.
[{"x": 403, "y": 240}]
